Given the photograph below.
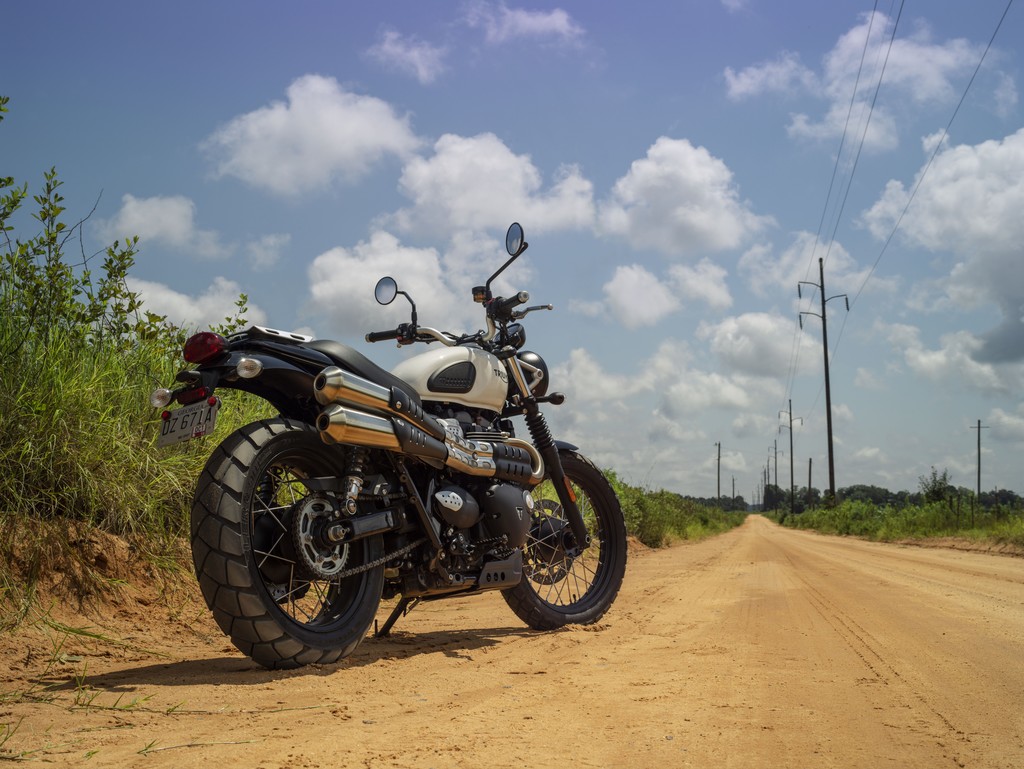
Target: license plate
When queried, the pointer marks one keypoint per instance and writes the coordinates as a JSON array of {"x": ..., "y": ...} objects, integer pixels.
[{"x": 192, "y": 421}]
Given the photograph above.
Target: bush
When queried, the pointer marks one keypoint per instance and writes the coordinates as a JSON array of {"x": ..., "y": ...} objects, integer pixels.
[
  {"x": 78, "y": 359},
  {"x": 945, "y": 518},
  {"x": 657, "y": 518}
]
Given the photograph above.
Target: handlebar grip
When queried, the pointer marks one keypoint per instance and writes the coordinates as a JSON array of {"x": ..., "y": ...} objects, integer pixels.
[
  {"x": 382, "y": 336},
  {"x": 503, "y": 307}
]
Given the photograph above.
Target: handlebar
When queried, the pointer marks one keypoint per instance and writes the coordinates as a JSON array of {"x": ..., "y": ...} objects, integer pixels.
[
  {"x": 499, "y": 309},
  {"x": 383, "y": 336},
  {"x": 407, "y": 334}
]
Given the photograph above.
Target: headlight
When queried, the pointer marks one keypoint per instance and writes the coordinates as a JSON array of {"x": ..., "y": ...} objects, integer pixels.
[{"x": 534, "y": 364}]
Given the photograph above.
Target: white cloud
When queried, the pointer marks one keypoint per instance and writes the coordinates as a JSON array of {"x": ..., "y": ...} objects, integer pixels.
[
  {"x": 767, "y": 274},
  {"x": 1007, "y": 426},
  {"x": 470, "y": 258},
  {"x": 785, "y": 74},
  {"x": 872, "y": 453},
  {"x": 679, "y": 200},
  {"x": 881, "y": 133},
  {"x": 589, "y": 309},
  {"x": 697, "y": 391},
  {"x": 342, "y": 280},
  {"x": 970, "y": 200},
  {"x": 867, "y": 380},
  {"x": 954, "y": 361},
  {"x": 918, "y": 72},
  {"x": 321, "y": 133},
  {"x": 706, "y": 282},
  {"x": 637, "y": 298},
  {"x": 409, "y": 55},
  {"x": 584, "y": 380},
  {"x": 969, "y": 203},
  {"x": 264, "y": 252},
  {"x": 653, "y": 418},
  {"x": 502, "y": 24},
  {"x": 478, "y": 183},
  {"x": 756, "y": 343},
  {"x": 168, "y": 220},
  {"x": 1006, "y": 95},
  {"x": 208, "y": 309}
]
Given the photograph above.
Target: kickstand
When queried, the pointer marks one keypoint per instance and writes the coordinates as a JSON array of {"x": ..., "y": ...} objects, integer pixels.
[{"x": 405, "y": 605}]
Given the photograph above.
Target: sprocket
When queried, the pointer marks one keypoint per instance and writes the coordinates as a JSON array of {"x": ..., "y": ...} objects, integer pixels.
[{"x": 319, "y": 558}]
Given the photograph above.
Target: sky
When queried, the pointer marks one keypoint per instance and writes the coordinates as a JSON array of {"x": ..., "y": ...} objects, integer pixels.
[{"x": 679, "y": 167}]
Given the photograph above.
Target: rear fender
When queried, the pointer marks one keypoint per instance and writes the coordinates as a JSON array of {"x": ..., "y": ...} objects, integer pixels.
[{"x": 287, "y": 386}]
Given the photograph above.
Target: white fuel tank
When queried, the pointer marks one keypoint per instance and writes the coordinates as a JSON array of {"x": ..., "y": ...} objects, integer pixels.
[{"x": 466, "y": 375}]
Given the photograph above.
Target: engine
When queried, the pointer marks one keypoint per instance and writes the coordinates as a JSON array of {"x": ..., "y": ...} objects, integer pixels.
[{"x": 504, "y": 510}]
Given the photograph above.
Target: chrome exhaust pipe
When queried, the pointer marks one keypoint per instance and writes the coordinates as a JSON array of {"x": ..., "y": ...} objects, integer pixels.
[
  {"x": 333, "y": 385},
  {"x": 511, "y": 459},
  {"x": 338, "y": 424}
]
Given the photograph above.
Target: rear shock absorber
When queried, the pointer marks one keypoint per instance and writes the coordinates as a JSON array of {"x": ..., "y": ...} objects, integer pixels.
[{"x": 353, "y": 480}]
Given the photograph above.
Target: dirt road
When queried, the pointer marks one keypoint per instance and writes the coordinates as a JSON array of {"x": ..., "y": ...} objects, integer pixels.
[{"x": 764, "y": 647}]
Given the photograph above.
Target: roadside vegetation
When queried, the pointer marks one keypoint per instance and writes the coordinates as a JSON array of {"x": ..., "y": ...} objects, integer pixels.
[
  {"x": 78, "y": 359},
  {"x": 659, "y": 518},
  {"x": 79, "y": 356},
  {"x": 937, "y": 510}
]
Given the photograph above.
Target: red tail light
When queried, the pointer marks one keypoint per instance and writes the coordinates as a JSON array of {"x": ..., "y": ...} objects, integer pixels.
[{"x": 205, "y": 346}]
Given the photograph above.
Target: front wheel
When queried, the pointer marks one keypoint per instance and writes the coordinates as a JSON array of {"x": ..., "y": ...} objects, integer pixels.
[
  {"x": 283, "y": 599},
  {"x": 562, "y": 585}
]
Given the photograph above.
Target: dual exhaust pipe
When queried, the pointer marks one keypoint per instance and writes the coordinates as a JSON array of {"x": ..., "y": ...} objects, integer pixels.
[{"x": 401, "y": 426}]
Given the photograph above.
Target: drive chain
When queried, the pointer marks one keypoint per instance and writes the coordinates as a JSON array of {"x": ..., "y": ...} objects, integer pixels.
[{"x": 379, "y": 562}]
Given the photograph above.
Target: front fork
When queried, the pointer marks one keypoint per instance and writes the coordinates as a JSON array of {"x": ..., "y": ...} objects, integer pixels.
[{"x": 545, "y": 444}]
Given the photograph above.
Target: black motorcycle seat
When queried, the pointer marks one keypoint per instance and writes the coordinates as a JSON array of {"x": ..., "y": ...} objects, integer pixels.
[{"x": 352, "y": 360}]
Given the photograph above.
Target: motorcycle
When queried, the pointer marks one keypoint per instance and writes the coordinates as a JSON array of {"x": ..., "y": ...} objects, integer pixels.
[{"x": 372, "y": 485}]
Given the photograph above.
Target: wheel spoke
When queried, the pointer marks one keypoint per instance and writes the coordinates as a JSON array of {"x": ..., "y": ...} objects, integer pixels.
[{"x": 558, "y": 578}]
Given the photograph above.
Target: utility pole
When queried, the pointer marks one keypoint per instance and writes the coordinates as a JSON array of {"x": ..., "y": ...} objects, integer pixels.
[
  {"x": 828, "y": 390},
  {"x": 776, "y": 442},
  {"x": 767, "y": 476},
  {"x": 719, "y": 487},
  {"x": 977, "y": 499},
  {"x": 734, "y": 487},
  {"x": 792, "y": 483},
  {"x": 809, "y": 461}
]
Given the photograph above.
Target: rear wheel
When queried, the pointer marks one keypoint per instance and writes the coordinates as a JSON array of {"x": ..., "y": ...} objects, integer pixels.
[
  {"x": 562, "y": 585},
  {"x": 285, "y": 597}
]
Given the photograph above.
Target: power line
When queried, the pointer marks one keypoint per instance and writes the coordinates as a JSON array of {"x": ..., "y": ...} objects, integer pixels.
[
  {"x": 935, "y": 152},
  {"x": 849, "y": 185},
  {"x": 795, "y": 352},
  {"x": 917, "y": 186}
]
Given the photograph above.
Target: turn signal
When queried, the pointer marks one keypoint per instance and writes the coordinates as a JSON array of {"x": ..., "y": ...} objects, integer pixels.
[
  {"x": 160, "y": 397},
  {"x": 249, "y": 368},
  {"x": 204, "y": 346}
]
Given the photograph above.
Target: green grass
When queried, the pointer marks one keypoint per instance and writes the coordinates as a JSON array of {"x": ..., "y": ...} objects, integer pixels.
[{"x": 932, "y": 520}]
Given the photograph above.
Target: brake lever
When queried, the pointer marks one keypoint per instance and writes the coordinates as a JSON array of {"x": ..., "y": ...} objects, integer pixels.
[{"x": 518, "y": 314}]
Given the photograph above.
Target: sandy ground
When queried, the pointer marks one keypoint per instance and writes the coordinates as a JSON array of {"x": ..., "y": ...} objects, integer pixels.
[{"x": 764, "y": 647}]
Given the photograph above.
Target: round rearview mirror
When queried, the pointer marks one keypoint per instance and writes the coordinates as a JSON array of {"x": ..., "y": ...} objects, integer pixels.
[
  {"x": 514, "y": 239},
  {"x": 386, "y": 290}
]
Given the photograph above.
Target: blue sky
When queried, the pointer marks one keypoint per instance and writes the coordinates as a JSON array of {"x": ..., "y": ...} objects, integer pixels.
[{"x": 678, "y": 168}]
